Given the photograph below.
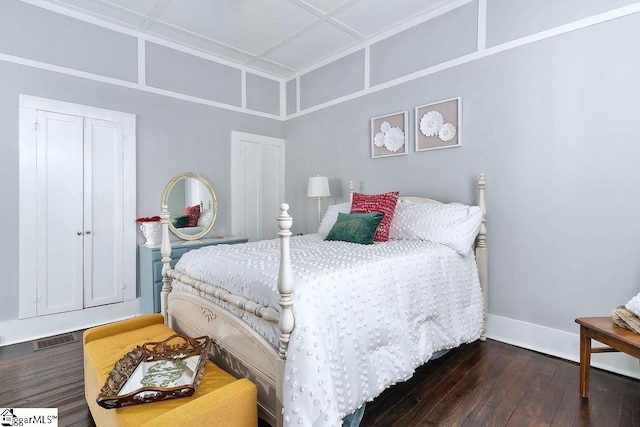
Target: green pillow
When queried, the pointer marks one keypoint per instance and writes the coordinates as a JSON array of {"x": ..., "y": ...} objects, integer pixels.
[
  {"x": 356, "y": 228},
  {"x": 180, "y": 221}
]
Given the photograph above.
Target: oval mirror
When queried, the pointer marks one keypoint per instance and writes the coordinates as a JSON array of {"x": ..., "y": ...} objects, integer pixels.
[{"x": 192, "y": 205}]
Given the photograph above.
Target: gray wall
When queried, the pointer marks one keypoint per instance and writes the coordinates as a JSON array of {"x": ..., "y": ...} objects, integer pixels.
[
  {"x": 183, "y": 73},
  {"x": 263, "y": 94},
  {"x": 329, "y": 82},
  {"x": 34, "y": 33},
  {"x": 173, "y": 136},
  {"x": 510, "y": 19},
  {"x": 438, "y": 40},
  {"x": 554, "y": 126}
]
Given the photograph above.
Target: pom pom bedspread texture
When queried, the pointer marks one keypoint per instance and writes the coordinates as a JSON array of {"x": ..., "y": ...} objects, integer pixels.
[{"x": 365, "y": 315}]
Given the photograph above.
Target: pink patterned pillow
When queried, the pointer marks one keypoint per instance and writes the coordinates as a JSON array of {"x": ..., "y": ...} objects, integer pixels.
[
  {"x": 385, "y": 203},
  {"x": 194, "y": 214}
]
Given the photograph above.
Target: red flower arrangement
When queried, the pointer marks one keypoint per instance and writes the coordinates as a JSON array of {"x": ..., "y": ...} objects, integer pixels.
[{"x": 148, "y": 219}]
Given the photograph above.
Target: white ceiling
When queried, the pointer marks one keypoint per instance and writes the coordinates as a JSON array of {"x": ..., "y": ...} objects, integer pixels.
[{"x": 279, "y": 37}]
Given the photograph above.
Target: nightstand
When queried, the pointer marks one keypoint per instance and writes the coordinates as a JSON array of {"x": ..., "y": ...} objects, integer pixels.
[{"x": 151, "y": 267}]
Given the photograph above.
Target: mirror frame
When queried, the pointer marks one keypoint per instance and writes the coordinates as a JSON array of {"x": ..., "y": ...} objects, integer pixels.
[{"x": 165, "y": 201}]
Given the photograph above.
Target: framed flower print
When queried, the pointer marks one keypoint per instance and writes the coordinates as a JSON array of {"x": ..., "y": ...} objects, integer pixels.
[
  {"x": 438, "y": 125},
  {"x": 389, "y": 135}
]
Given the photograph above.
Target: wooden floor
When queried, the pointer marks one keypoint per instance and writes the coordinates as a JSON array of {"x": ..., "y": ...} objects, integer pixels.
[{"x": 480, "y": 384}]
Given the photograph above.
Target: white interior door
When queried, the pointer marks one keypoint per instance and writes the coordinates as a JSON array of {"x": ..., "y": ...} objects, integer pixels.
[
  {"x": 257, "y": 189},
  {"x": 103, "y": 210},
  {"x": 77, "y": 168},
  {"x": 272, "y": 188},
  {"x": 59, "y": 213}
]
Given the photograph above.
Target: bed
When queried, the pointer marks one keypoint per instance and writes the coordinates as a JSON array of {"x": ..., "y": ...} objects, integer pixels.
[{"x": 322, "y": 327}]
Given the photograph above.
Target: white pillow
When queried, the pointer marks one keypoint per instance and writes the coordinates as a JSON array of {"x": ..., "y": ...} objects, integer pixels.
[
  {"x": 453, "y": 225},
  {"x": 331, "y": 216},
  {"x": 205, "y": 217}
]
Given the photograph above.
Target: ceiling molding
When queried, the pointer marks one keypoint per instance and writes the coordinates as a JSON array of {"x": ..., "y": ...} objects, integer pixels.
[
  {"x": 610, "y": 15},
  {"x": 91, "y": 19},
  {"x": 155, "y": 13},
  {"x": 441, "y": 9},
  {"x": 157, "y": 25}
]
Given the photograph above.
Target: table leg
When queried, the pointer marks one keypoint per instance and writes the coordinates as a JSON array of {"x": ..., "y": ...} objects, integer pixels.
[{"x": 585, "y": 361}]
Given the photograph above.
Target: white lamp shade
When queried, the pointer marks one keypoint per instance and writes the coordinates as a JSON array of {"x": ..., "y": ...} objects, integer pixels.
[{"x": 318, "y": 187}]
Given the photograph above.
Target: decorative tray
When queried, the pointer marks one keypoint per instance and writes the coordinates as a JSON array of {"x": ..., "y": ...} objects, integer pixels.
[{"x": 156, "y": 371}]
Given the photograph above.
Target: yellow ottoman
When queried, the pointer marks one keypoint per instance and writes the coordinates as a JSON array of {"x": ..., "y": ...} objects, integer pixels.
[{"x": 220, "y": 399}]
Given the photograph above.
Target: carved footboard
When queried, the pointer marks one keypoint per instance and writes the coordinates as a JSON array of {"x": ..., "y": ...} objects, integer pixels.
[{"x": 237, "y": 348}]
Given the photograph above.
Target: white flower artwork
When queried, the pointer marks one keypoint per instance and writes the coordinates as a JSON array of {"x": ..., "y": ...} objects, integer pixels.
[
  {"x": 378, "y": 140},
  {"x": 447, "y": 132},
  {"x": 431, "y": 123},
  {"x": 391, "y": 138},
  {"x": 438, "y": 125},
  {"x": 389, "y": 135},
  {"x": 394, "y": 139}
]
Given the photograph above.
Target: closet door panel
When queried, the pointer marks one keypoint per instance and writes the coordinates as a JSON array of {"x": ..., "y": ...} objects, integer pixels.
[
  {"x": 59, "y": 213},
  {"x": 250, "y": 221},
  {"x": 103, "y": 209},
  {"x": 257, "y": 184},
  {"x": 78, "y": 236},
  {"x": 271, "y": 183}
]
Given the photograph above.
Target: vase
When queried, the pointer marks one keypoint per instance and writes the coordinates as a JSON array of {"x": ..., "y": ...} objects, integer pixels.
[{"x": 150, "y": 231}]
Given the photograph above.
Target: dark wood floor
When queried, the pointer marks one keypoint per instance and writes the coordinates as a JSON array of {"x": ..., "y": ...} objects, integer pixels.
[{"x": 479, "y": 384}]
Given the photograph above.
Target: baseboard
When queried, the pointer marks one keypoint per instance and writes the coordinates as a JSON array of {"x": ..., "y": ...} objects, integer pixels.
[
  {"x": 534, "y": 337},
  {"x": 22, "y": 330},
  {"x": 557, "y": 343}
]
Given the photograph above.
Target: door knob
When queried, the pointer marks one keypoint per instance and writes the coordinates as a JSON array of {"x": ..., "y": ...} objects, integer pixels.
[
  {"x": 88, "y": 231},
  {"x": 79, "y": 233}
]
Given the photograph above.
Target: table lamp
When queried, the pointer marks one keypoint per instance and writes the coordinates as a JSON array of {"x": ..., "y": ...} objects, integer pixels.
[{"x": 318, "y": 187}]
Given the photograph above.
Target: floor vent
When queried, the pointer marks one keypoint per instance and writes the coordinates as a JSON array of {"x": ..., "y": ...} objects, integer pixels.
[{"x": 54, "y": 341}]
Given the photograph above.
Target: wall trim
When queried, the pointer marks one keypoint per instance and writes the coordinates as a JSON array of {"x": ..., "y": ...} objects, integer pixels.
[
  {"x": 131, "y": 85},
  {"x": 22, "y": 330},
  {"x": 297, "y": 94},
  {"x": 367, "y": 67},
  {"x": 482, "y": 52},
  {"x": 243, "y": 89},
  {"x": 282, "y": 88},
  {"x": 523, "y": 41},
  {"x": 142, "y": 62},
  {"x": 554, "y": 342},
  {"x": 482, "y": 25},
  {"x": 400, "y": 27},
  {"x": 148, "y": 37}
]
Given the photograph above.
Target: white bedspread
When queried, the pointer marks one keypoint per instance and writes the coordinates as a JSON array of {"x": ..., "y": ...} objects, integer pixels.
[{"x": 366, "y": 316}]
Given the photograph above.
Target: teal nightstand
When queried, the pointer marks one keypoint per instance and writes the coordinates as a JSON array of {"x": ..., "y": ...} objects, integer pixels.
[{"x": 151, "y": 267}]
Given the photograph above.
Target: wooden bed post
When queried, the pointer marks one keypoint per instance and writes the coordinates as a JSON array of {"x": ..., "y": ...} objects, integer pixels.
[
  {"x": 351, "y": 189},
  {"x": 481, "y": 251},
  {"x": 285, "y": 280},
  {"x": 165, "y": 250}
]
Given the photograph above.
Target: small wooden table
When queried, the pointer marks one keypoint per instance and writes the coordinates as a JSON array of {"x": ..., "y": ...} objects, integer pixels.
[{"x": 603, "y": 329}]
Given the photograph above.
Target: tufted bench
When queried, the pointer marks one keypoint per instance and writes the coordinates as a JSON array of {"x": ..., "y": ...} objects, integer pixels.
[{"x": 220, "y": 399}]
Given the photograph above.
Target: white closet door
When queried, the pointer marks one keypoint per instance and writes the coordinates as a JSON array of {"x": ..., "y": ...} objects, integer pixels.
[
  {"x": 272, "y": 193},
  {"x": 77, "y": 168},
  {"x": 103, "y": 211},
  {"x": 248, "y": 217},
  {"x": 59, "y": 213},
  {"x": 257, "y": 185}
]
